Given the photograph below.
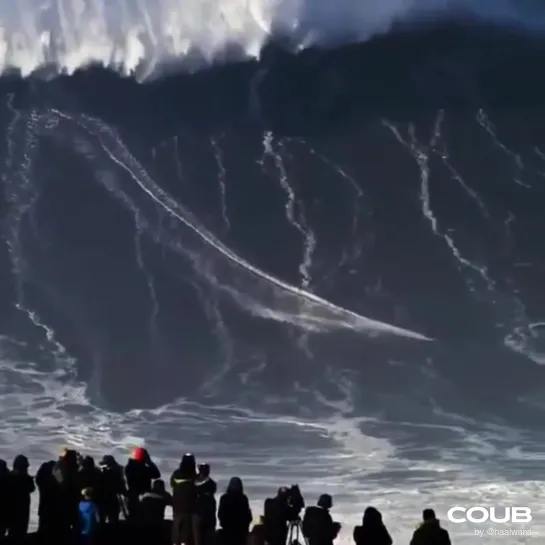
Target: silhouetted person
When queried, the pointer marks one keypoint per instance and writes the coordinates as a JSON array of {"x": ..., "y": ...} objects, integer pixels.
[
  {"x": 4, "y": 498},
  {"x": 88, "y": 473},
  {"x": 68, "y": 492},
  {"x": 430, "y": 531},
  {"x": 318, "y": 526},
  {"x": 21, "y": 487},
  {"x": 234, "y": 514},
  {"x": 48, "y": 502},
  {"x": 206, "y": 504},
  {"x": 152, "y": 510},
  {"x": 140, "y": 471},
  {"x": 185, "y": 522},
  {"x": 372, "y": 530},
  {"x": 88, "y": 517},
  {"x": 110, "y": 490},
  {"x": 277, "y": 512}
]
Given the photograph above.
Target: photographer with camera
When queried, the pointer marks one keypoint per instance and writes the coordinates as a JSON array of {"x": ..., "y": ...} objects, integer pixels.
[{"x": 281, "y": 511}]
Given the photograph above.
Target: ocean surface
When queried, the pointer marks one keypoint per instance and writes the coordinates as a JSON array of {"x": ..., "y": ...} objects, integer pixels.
[{"x": 307, "y": 248}]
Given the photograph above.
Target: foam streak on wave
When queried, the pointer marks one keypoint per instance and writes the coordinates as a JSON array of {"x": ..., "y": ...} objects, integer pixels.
[
  {"x": 146, "y": 34},
  {"x": 420, "y": 153},
  {"x": 222, "y": 181},
  {"x": 300, "y": 308},
  {"x": 23, "y": 195},
  {"x": 300, "y": 223}
]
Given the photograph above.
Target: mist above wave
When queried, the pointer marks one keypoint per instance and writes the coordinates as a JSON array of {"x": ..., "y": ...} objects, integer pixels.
[{"x": 141, "y": 38}]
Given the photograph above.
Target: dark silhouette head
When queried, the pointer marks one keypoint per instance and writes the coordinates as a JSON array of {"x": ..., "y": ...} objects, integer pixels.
[
  {"x": 158, "y": 486},
  {"x": 69, "y": 457},
  {"x": 325, "y": 501},
  {"x": 428, "y": 515},
  {"x": 188, "y": 466},
  {"x": 283, "y": 492},
  {"x": 372, "y": 517},
  {"x": 204, "y": 470},
  {"x": 88, "y": 463},
  {"x": 20, "y": 463},
  {"x": 235, "y": 486},
  {"x": 108, "y": 460}
]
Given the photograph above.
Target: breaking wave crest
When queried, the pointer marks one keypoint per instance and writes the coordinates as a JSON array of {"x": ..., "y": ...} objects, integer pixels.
[{"x": 144, "y": 38}]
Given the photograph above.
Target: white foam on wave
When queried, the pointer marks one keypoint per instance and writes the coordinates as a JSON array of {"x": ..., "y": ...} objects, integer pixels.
[
  {"x": 143, "y": 35},
  {"x": 528, "y": 341}
]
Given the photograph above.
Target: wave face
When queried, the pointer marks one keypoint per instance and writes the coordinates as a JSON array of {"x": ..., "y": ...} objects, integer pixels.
[
  {"x": 325, "y": 267},
  {"x": 146, "y": 38}
]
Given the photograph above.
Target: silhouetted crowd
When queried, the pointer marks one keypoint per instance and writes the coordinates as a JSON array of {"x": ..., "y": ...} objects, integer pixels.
[{"x": 81, "y": 503}]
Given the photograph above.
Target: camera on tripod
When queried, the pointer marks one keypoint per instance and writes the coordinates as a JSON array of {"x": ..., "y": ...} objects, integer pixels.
[{"x": 295, "y": 502}]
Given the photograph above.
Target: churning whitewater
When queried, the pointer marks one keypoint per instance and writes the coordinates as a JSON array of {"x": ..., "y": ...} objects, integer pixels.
[
  {"x": 146, "y": 38},
  {"x": 324, "y": 266}
]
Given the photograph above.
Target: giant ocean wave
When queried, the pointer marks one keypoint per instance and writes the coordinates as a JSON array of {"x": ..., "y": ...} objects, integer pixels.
[
  {"x": 333, "y": 251},
  {"x": 145, "y": 38}
]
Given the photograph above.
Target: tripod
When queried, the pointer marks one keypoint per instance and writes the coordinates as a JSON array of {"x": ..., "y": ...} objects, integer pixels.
[{"x": 295, "y": 533}]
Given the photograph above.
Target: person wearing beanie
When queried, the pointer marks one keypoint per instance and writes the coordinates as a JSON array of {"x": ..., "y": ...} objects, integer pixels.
[{"x": 140, "y": 472}]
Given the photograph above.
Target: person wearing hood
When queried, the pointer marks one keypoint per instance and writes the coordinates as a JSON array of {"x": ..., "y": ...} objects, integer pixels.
[
  {"x": 21, "y": 487},
  {"x": 185, "y": 521},
  {"x": 206, "y": 504},
  {"x": 140, "y": 471},
  {"x": 234, "y": 514},
  {"x": 318, "y": 526},
  {"x": 372, "y": 530},
  {"x": 430, "y": 531}
]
